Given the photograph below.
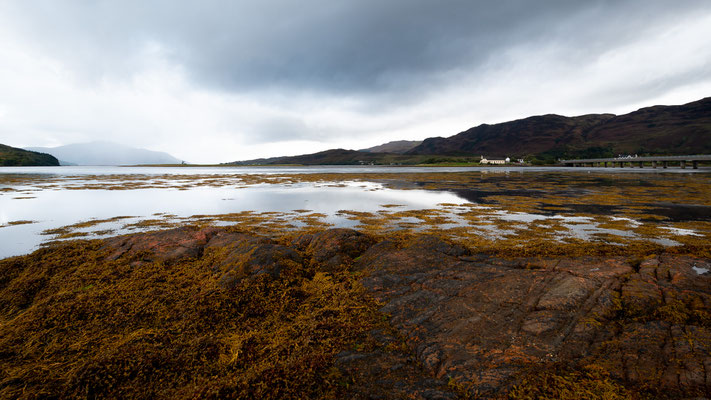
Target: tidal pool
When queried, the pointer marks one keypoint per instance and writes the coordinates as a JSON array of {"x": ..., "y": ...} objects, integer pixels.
[{"x": 475, "y": 205}]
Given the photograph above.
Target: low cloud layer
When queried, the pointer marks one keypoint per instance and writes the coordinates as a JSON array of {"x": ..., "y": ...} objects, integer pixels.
[{"x": 216, "y": 81}]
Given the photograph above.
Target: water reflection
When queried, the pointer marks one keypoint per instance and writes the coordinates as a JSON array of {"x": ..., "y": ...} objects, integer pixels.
[
  {"x": 53, "y": 209},
  {"x": 317, "y": 169},
  {"x": 496, "y": 203}
]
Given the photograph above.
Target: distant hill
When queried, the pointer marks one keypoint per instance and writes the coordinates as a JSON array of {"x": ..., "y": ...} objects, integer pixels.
[
  {"x": 658, "y": 130},
  {"x": 374, "y": 155},
  {"x": 684, "y": 129},
  {"x": 397, "y": 147},
  {"x": 531, "y": 135},
  {"x": 328, "y": 157},
  {"x": 352, "y": 157},
  {"x": 12, "y": 156},
  {"x": 106, "y": 153}
]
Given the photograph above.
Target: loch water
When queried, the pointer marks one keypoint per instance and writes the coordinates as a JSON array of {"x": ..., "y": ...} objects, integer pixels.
[{"x": 36, "y": 200}]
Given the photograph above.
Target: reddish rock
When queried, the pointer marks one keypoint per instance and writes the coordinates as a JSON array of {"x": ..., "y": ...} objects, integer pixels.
[
  {"x": 244, "y": 255},
  {"x": 389, "y": 373},
  {"x": 486, "y": 321},
  {"x": 165, "y": 246},
  {"x": 565, "y": 292}
]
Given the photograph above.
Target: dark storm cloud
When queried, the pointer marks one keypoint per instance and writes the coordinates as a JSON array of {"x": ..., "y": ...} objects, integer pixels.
[
  {"x": 337, "y": 47},
  {"x": 283, "y": 77}
]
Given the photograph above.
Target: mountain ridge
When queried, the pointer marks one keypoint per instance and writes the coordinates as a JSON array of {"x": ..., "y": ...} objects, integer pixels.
[
  {"x": 658, "y": 130},
  {"x": 106, "y": 153},
  {"x": 396, "y": 146}
]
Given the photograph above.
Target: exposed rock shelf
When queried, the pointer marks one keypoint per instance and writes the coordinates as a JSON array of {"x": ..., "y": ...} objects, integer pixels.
[{"x": 456, "y": 322}]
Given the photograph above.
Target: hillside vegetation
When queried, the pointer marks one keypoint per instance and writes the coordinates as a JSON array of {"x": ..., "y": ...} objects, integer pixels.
[
  {"x": 542, "y": 139},
  {"x": 684, "y": 129},
  {"x": 11, "y": 156},
  {"x": 398, "y": 147}
]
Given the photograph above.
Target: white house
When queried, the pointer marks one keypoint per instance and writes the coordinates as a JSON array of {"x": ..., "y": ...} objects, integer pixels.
[{"x": 486, "y": 161}]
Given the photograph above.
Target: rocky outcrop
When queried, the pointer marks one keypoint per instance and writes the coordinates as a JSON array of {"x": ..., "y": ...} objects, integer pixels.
[
  {"x": 167, "y": 246},
  {"x": 249, "y": 256},
  {"x": 482, "y": 322},
  {"x": 241, "y": 255},
  {"x": 487, "y": 321}
]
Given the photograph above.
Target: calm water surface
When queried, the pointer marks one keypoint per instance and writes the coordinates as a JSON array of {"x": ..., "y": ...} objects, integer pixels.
[{"x": 41, "y": 195}]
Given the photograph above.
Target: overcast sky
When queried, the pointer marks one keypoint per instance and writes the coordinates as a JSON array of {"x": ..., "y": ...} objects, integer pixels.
[{"x": 217, "y": 81}]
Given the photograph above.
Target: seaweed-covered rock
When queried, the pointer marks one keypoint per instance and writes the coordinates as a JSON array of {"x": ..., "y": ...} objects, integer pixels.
[
  {"x": 333, "y": 248},
  {"x": 249, "y": 256},
  {"x": 454, "y": 321}
]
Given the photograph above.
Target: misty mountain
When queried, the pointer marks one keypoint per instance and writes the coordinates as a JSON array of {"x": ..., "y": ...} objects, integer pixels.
[
  {"x": 106, "y": 153},
  {"x": 397, "y": 147},
  {"x": 684, "y": 129},
  {"x": 12, "y": 156}
]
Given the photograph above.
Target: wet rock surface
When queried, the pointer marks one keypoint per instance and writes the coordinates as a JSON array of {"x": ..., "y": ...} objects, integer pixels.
[
  {"x": 389, "y": 371},
  {"x": 479, "y": 322},
  {"x": 167, "y": 246},
  {"x": 487, "y": 321}
]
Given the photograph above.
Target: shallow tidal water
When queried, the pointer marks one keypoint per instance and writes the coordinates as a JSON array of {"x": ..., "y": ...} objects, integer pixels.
[{"x": 41, "y": 204}]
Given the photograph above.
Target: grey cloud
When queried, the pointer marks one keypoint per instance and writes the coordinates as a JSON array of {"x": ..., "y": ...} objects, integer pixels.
[
  {"x": 265, "y": 78},
  {"x": 652, "y": 87},
  {"x": 360, "y": 47},
  {"x": 277, "y": 129}
]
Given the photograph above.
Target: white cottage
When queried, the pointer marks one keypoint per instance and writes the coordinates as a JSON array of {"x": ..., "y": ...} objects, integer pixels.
[{"x": 484, "y": 160}]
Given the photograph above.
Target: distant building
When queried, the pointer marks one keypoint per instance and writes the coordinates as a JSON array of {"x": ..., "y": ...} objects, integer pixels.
[{"x": 484, "y": 160}]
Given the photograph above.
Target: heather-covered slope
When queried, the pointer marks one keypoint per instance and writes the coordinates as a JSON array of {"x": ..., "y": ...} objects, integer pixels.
[
  {"x": 531, "y": 135},
  {"x": 339, "y": 157},
  {"x": 398, "y": 146},
  {"x": 684, "y": 129}
]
